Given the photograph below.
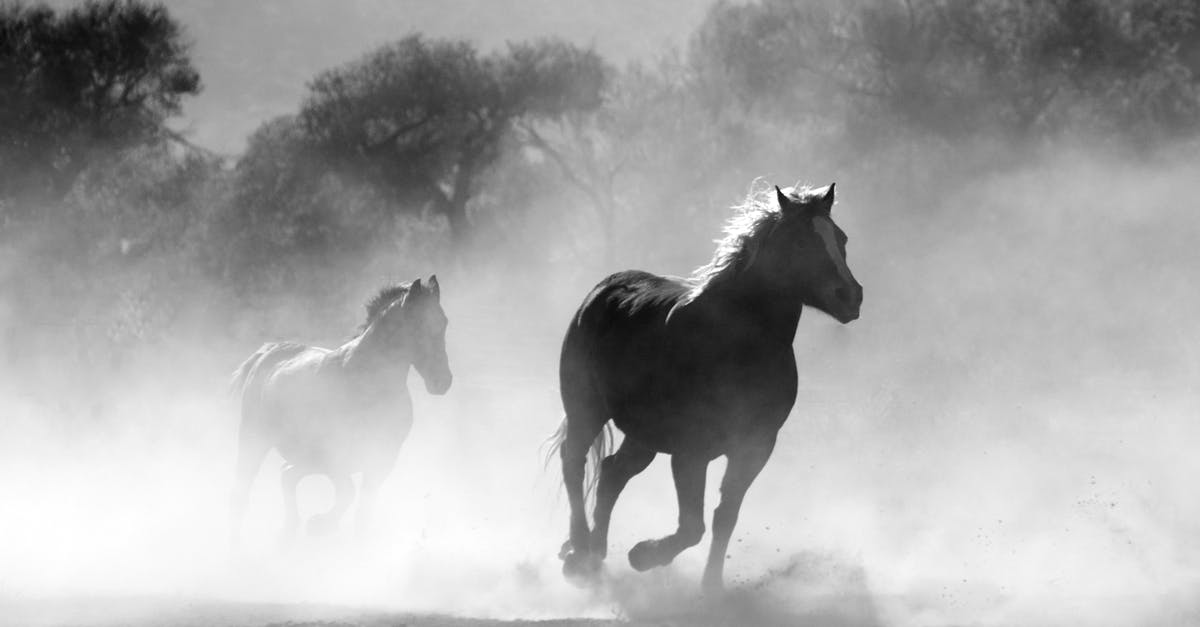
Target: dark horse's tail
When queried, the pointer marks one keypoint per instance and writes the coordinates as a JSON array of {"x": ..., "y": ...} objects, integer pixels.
[{"x": 601, "y": 447}]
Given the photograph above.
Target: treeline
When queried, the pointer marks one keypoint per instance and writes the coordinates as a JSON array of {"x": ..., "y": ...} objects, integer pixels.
[{"x": 429, "y": 153}]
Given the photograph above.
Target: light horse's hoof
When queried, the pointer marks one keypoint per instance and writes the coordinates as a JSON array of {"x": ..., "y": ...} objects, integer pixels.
[{"x": 321, "y": 525}]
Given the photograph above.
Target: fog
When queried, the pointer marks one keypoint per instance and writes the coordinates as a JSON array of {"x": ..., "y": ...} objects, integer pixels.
[{"x": 1003, "y": 438}]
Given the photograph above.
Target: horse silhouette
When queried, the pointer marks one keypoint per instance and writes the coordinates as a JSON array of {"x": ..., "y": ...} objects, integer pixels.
[
  {"x": 696, "y": 368},
  {"x": 343, "y": 411}
]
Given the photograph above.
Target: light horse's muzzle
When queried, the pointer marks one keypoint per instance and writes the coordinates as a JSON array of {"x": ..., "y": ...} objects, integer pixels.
[
  {"x": 435, "y": 370},
  {"x": 440, "y": 384}
]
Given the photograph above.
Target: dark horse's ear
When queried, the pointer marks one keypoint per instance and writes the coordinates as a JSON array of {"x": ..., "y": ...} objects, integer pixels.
[
  {"x": 416, "y": 287},
  {"x": 434, "y": 288},
  {"x": 784, "y": 201},
  {"x": 824, "y": 204}
]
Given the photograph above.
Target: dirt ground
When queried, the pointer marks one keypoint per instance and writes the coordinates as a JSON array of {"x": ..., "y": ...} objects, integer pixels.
[
  {"x": 736, "y": 608},
  {"x": 164, "y": 612},
  {"x": 207, "y": 613}
]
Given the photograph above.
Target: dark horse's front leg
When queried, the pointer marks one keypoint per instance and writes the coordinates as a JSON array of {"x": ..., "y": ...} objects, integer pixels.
[
  {"x": 689, "y": 473},
  {"x": 615, "y": 471},
  {"x": 744, "y": 465}
]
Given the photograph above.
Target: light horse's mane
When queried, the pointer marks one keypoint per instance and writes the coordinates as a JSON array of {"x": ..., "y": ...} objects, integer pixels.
[
  {"x": 746, "y": 231},
  {"x": 378, "y": 304}
]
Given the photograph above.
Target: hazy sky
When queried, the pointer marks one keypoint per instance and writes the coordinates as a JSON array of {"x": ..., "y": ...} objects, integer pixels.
[{"x": 255, "y": 57}]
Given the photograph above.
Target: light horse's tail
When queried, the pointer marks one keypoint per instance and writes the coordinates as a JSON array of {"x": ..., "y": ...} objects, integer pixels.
[
  {"x": 601, "y": 447},
  {"x": 238, "y": 382}
]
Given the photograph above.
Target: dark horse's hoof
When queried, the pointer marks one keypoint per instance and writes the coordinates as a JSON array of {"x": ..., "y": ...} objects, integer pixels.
[
  {"x": 712, "y": 586},
  {"x": 565, "y": 550},
  {"x": 646, "y": 555},
  {"x": 581, "y": 568}
]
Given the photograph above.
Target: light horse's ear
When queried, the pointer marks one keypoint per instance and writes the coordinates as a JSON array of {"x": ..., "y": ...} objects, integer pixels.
[
  {"x": 434, "y": 288},
  {"x": 415, "y": 289}
]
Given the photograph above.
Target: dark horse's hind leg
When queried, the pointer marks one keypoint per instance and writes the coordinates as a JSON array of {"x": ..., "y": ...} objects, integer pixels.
[
  {"x": 744, "y": 466},
  {"x": 582, "y": 428},
  {"x": 689, "y": 473},
  {"x": 615, "y": 471}
]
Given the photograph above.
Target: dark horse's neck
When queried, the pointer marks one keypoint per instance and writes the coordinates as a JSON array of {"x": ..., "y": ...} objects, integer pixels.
[{"x": 772, "y": 306}]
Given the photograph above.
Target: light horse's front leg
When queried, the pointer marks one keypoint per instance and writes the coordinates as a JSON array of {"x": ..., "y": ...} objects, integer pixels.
[
  {"x": 378, "y": 464},
  {"x": 343, "y": 496},
  {"x": 318, "y": 524},
  {"x": 743, "y": 467},
  {"x": 368, "y": 494}
]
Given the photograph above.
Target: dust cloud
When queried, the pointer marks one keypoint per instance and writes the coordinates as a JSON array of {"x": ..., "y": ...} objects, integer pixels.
[{"x": 1005, "y": 437}]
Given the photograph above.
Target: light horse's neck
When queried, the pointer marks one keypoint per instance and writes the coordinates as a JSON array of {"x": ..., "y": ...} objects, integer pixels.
[
  {"x": 371, "y": 353},
  {"x": 753, "y": 294}
]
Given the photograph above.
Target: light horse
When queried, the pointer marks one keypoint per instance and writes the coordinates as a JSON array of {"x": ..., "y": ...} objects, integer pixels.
[
  {"x": 696, "y": 368},
  {"x": 343, "y": 411}
]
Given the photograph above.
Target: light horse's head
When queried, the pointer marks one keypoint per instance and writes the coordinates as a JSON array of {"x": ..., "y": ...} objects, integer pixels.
[
  {"x": 416, "y": 324},
  {"x": 809, "y": 250}
]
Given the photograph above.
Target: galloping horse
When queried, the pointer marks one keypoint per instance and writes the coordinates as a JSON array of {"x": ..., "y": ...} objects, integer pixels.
[
  {"x": 342, "y": 411},
  {"x": 696, "y": 368}
]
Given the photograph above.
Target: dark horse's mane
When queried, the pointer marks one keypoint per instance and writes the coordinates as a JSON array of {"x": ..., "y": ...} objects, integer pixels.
[
  {"x": 752, "y": 222},
  {"x": 387, "y": 295}
]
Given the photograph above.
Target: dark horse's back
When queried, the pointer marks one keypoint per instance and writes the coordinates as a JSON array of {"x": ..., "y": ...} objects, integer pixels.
[{"x": 673, "y": 376}]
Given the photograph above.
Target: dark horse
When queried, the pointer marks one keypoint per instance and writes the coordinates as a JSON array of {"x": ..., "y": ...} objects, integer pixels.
[
  {"x": 342, "y": 411},
  {"x": 696, "y": 368}
]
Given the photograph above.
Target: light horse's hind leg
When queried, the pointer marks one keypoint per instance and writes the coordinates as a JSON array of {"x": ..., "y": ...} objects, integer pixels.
[
  {"x": 252, "y": 448},
  {"x": 689, "y": 473},
  {"x": 615, "y": 471},
  {"x": 289, "y": 480},
  {"x": 327, "y": 523}
]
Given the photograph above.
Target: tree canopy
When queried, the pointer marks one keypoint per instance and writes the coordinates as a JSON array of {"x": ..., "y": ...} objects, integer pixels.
[
  {"x": 954, "y": 68},
  {"x": 423, "y": 119},
  {"x": 78, "y": 85}
]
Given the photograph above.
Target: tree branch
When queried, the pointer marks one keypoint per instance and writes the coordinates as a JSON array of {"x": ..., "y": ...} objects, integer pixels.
[{"x": 376, "y": 147}]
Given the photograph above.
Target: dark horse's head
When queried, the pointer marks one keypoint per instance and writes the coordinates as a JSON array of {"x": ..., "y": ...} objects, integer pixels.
[
  {"x": 811, "y": 250},
  {"x": 412, "y": 317},
  {"x": 797, "y": 248},
  {"x": 791, "y": 245}
]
